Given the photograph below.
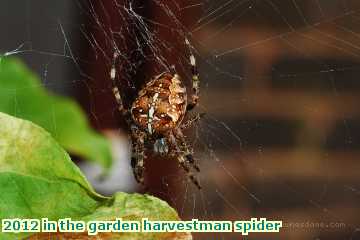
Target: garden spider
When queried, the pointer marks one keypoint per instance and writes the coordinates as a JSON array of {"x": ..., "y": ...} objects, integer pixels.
[{"x": 156, "y": 117}]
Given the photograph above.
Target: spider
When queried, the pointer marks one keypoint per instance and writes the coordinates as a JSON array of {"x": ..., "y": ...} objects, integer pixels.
[{"x": 156, "y": 118}]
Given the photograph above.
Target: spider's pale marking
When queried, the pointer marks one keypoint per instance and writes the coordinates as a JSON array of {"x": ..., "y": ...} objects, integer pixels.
[
  {"x": 192, "y": 60},
  {"x": 151, "y": 112},
  {"x": 116, "y": 93},
  {"x": 195, "y": 76},
  {"x": 192, "y": 57},
  {"x": 115, "y": 89},
  {"x": 118, "y": 98},
  {"x": 113, "y": 73},
  {"x": 149, "y": 123}
]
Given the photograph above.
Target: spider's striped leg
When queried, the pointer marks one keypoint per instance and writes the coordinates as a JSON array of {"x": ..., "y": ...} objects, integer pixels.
[
  {"x": 184, "y": 157},
  {"x": 138, "y": 139},
  {"x": 115, "y": 88},
  {"x": 184, "y": 164},
  {"x": 186, "y": 149},
  {"x": 195, "y": 78},
  {"x": 192, "y": 121}
]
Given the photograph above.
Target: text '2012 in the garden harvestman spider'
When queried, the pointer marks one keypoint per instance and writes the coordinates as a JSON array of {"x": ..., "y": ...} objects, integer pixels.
[{"x": 156, "y": 117}]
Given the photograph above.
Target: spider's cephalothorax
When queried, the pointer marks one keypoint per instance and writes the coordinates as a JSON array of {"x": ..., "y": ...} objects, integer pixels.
[
  {"x": 160, "y": 105},
  {"x": 156, "y": 117}
]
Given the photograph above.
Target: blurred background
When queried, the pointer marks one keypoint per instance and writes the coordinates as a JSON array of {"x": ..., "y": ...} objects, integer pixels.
[{"x": 279, "y": 84}]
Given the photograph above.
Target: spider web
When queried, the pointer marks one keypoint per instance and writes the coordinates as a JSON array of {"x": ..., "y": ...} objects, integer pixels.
[{"x": 279, "y": 86}]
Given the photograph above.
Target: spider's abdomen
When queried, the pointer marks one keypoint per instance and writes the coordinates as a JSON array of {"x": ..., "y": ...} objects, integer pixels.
[{"x": 161, "y": 104}]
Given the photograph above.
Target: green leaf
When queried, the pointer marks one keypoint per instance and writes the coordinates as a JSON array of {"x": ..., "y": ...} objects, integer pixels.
[
  {"x": 22, "y": 95},
  {"x": 39, "y": 180}
]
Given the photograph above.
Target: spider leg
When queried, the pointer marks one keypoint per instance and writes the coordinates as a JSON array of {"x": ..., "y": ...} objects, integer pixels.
[
  {"x": 115, "y": 88},
  {"x": 184, "y": 156},
  {"x": 195, "y": 78},
  {"x": 192, "y": 121},
  {"x": 138, "y": 138},
  {"x": 184, "y": 164},
  {"x": 185, "y": 148}
]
